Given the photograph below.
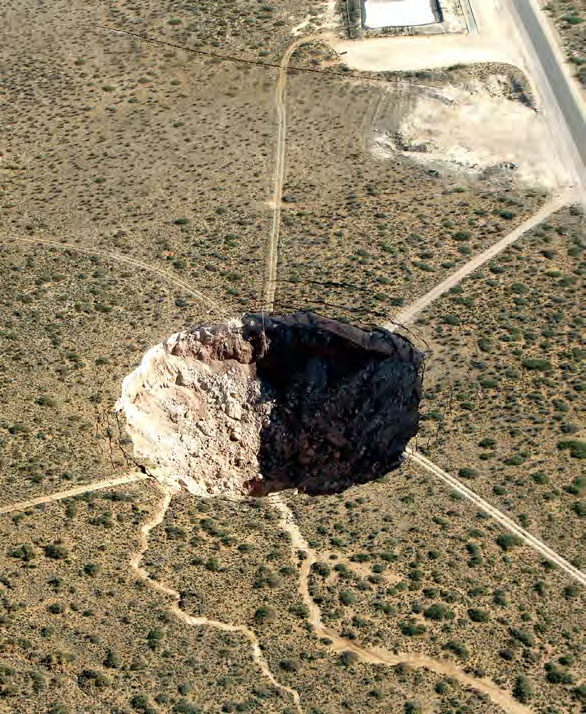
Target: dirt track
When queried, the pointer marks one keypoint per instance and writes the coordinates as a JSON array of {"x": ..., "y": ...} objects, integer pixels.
[
  {"x": 376, "y": 655},
  {"x": 272, "y": 253},
  {"x": 60, "y": 495},
  {"x": 117, "y": 257},
  {"x": 155, "y": 520},
  {"x": 407, "y": 315},
  {"x": 504, "y": 520}
]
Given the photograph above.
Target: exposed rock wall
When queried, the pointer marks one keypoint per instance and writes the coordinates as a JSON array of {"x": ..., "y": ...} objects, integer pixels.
[{"x": 263, "y": 404}]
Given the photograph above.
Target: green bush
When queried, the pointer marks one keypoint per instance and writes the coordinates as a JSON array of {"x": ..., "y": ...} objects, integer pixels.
[
  {"x": 93, "y": 678},
  {"x": 141, "y": 703},
  {"x": 56, "y": 551},
  {"x": 468, "y": 472},
  {"x": 300, "y": 610},
  {"x": 348, "y": 658},
  {"x": 541, "y": 365},
  {"x": 524, "y": 637},
  {"x": 438, "y": 611},
  {"x": 347, "y": 597},
  {"x": 523, "y": 689},
  {"x": 508, "y": 541},
  {"x": 184, "y": 706},
  {"x": 112, "y": 660},
  {"x": 458, "y": 648},
  {"x": 92, "y": 569},
  {"x": 477, "y": 615},
  {"x": 412, "y": 628},
  {"x": 264, "y": 614},
  {"x": 322, "y": 569},
  {"x": 576, "y": 448}
]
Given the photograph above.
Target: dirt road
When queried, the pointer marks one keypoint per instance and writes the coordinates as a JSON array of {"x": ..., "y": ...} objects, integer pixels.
[
  {"x": 119, "y": 258},
  {"x": 377, "y": 655},
  {"x": 407, "y": 315},
  {"x": 155, "y": 520},
  {"x": 504, "y": 520},
  {"x": 272, "y": 255},
  {"x": 60, "y": 495}
]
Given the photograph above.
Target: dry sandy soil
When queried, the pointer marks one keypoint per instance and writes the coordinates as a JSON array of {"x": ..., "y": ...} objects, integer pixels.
[
  {"x": 155, "y": 167},
  {"x": 471, "y": 126}
]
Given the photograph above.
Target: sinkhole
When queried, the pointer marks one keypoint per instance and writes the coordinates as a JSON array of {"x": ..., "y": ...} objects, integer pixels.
[{"x": 262, "y": 404}]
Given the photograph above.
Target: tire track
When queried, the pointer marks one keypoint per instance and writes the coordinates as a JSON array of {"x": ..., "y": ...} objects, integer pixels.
[
  {"x": 60, "y": 495},
  {"x": 503, "y": 519},
  {"x": 272, "y": 255},
  {"x": 156, "y": 519},
  {"x": 408, "y": 315},
  {"x": 378, "y": 655},
  {"x": 117, "y": 257}
]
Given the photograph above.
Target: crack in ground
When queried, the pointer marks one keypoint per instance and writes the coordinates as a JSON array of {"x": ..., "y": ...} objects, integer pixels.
[
  {"x": 155, "y": 520},
  {"x": 376, "y": 655}
]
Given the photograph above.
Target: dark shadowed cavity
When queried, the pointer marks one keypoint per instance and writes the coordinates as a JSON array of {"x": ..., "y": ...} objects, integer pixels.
[{"x": 345, "y": 401}]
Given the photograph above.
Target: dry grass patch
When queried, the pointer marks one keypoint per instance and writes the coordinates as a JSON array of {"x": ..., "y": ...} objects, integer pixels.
[
  {"x": 73, "y": 326},
  {"x": 361, "y": 234},
  {"x": 407, "y": 565},
  {"x": 504, "y": 401},
  {"x": 82, "y": 634}
]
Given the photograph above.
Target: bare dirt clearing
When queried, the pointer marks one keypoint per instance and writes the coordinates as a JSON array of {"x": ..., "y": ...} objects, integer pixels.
[
  {"x": 474, "y": 127},
  {"x": 409, "y": 53}
]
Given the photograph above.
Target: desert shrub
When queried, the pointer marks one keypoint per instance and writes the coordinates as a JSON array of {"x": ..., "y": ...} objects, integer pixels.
[
  {"x": 412, "y": 628},
  {"x": 507, "y": 541},
  {"x": 540, "y": 365},
  {"x": 467, "y": 472},
  {"x": 59, "y": 709},
  {"x": 24, "y": 552},
  {"x": 458, "y": 648},
  {"x": 56, "y": 608},
  {"x": 348, "y": 658},
  {"x": 264, "y": 614},
  {"x": 571, "y": 591},
  {"x": 184, "y": 706},
  {"x": 322, "y": 569},
  {"x": 438, "y": 611},
  {"x": 522, "y": 636},
  {"x": 93, "y": 678},
  {"x": 477, "y": 615},
  {"x": 112, "y": 660},
  {"x": 300, "y": 610},
  {"x": 140, "y": 702},
  {"x": 56, "y": 551},
  {"x": 412, "y": 707},
  {"x": 558, "y": 675},
  {"x": 523, "y": 689},
  {"x": 347, "y": 597},
  {"x": 289, "y": 665},
  {"x": 92, "y": 569},
  {"x": 576, "y": 448}
]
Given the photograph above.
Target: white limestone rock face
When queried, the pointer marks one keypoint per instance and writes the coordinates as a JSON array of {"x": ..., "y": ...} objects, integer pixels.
[{"x": 193, "y": 418}]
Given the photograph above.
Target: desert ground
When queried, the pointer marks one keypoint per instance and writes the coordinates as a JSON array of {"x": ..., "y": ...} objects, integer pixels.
[{"x": 166, "y": 165}]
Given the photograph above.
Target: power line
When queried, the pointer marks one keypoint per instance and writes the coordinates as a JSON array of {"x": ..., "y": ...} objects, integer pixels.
[{"x": 242, "y": 60}]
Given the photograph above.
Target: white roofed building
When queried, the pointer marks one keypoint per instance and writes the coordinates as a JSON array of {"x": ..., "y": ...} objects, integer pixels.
[{"x": 400, "y": 13}]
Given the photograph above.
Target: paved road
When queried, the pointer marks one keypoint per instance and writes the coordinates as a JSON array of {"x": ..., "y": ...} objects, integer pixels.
[{"x": 559, "y": 84}]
